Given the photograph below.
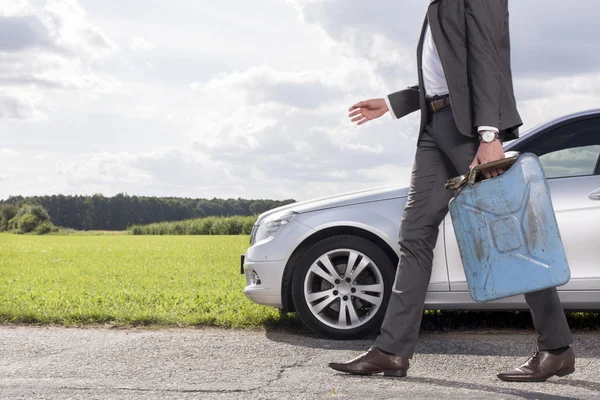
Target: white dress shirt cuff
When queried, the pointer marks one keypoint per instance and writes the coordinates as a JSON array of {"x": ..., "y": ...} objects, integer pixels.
[
  {"x": 389, "y": 106},
  {"x": 487, "y": 128}
]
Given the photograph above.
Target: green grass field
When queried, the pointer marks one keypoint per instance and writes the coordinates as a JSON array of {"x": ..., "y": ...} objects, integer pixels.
[
  {"x": 127, "y": 280},
  {"x": 124, "y": 280}
]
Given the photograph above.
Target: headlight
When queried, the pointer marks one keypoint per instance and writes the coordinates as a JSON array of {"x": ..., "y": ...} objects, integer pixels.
[{"x": 273, "y": 224}]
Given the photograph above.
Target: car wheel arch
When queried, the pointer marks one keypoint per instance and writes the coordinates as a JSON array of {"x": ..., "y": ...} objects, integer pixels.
[{"x": 286, "y": 281}]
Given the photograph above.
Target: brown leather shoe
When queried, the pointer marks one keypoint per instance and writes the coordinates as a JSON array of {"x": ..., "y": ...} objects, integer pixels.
[
  {"x": 373, "y": 362},
  {"x": 541, "y": 366}
]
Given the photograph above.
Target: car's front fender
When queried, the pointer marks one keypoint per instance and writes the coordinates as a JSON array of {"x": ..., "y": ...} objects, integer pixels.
[{"x": 381, "y": 218}]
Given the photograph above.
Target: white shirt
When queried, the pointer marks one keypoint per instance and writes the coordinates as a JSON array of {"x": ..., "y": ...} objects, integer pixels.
[{"x": 434, "y": 79}]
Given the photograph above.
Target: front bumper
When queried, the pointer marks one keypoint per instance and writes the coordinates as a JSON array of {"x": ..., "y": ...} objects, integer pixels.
[
  {"x": 268, "y": 259},
  {"x": 268, "y": 291}
]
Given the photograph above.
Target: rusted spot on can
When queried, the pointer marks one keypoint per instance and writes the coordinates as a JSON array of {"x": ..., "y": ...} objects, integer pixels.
[{"x": 479, "y": 251}]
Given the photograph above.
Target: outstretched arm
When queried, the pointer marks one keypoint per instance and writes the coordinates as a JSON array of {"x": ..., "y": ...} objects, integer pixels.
[
  {"x": 398, "y": 104},
  {"x": 404, "y": 101}
]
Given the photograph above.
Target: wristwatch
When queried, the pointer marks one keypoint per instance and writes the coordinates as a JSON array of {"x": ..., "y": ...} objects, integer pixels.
[{"x": 488, "y": 136}]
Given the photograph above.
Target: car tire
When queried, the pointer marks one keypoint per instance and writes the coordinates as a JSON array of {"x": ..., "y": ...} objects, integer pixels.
[{"x": 311, "y": 279}]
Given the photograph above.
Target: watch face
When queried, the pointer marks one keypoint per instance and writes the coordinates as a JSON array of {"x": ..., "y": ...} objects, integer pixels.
[{"x": 488, "y": 136}]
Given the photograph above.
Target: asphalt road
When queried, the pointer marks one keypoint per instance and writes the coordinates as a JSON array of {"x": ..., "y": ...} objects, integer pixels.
[{"x": 58, "y": 363}]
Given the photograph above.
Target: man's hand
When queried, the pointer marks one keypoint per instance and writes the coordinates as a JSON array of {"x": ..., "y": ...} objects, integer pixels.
[
  {"x": 486, "y": 153},
  {"x": 367, "y": 110}
]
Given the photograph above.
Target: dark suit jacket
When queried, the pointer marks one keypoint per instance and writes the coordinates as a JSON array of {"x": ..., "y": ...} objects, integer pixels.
[{"x": 472, "y": 39}]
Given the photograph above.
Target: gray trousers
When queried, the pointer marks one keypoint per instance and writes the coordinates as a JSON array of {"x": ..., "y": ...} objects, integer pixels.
[{"x": 443, "y": 153}]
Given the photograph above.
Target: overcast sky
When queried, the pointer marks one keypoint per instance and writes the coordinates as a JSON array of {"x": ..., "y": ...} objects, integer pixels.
[{"x": 238, "y": 98}]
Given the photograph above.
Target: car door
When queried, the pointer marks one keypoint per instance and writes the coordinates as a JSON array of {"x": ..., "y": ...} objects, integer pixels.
[{"x": 570, "y": 156}]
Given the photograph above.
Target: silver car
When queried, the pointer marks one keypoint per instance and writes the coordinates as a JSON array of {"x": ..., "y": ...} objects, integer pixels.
[{"x": 313, "y": 256}]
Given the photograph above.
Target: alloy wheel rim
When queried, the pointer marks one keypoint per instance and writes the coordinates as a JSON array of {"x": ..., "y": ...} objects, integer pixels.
[{"x": 343, "y": 289}]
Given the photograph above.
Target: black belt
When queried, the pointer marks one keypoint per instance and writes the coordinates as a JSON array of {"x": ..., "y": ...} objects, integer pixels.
[{"x": 438, "y": 104}]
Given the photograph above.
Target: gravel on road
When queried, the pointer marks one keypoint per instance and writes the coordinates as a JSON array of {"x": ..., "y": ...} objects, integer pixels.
[{"x": 103, "y": 363}]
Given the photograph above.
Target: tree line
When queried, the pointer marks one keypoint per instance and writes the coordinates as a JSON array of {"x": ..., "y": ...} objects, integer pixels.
[{"x": 119, "y": 212}]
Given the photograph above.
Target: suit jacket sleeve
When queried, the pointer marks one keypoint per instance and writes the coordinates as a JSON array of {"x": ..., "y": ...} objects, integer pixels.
[
  {"x": 484, "y": 28},
  {"x": 405, "y": 101}
]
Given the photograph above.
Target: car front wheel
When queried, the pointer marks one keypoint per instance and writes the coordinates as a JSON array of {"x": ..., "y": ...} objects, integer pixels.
[{"x": 341, "y": 286}]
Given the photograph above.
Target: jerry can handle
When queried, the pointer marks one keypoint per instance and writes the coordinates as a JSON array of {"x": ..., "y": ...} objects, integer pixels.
[{"x": 499, "y": 163}]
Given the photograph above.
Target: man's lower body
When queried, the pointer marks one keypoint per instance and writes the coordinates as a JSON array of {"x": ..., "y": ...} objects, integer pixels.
[{"x": 443, "y": 153}]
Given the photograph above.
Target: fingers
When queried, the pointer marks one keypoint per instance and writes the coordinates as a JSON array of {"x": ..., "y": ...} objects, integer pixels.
[
  {"x": 493, "y": 172},
  {"x": 487, "y": 173},
  {"x": 358, "y": 105},
  {"x": 474, "y": 163},
  {"x": 355, "y": 113},
  {"x": 497, "y": 171}
]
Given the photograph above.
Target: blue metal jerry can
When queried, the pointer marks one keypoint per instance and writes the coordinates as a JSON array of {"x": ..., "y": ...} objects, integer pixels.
[{"x": 507, "y": 233}]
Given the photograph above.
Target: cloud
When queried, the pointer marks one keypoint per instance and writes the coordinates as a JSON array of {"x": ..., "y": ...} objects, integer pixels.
[
  {"x": 177, "y": 167},
  {"x": 101, "y": 168},
  {"x": 554, "y": 38},
  {"x": 301, "y": 89},
  {"x": 170, "y": 168},
  {"x": 351, "y": 20},
  {"x": 49, "y": 45},
  {"x": 259, "y": 131},
  {"x": 305, "y": 153},
  {"x": 15, "y": 108},
  {"x": 141, "y": 44},
  {"x": 164, "y": 172},
  {"x": 19, "y": 33},
  {"x": 553, "y": 45},
  {"x": 582, "y": 85},
  {"x": 282, "y": 127},
  {"x": 267, "y": 114},
  {"x": 308, "y": 146},
  {"x": 290, "y": 125},
  {"x": 380, "y": 33},
  {"x": 548, "y": 38}
]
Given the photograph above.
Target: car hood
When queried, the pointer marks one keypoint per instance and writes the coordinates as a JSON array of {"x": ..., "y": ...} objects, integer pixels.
[{"x": 340, "y": 200}]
